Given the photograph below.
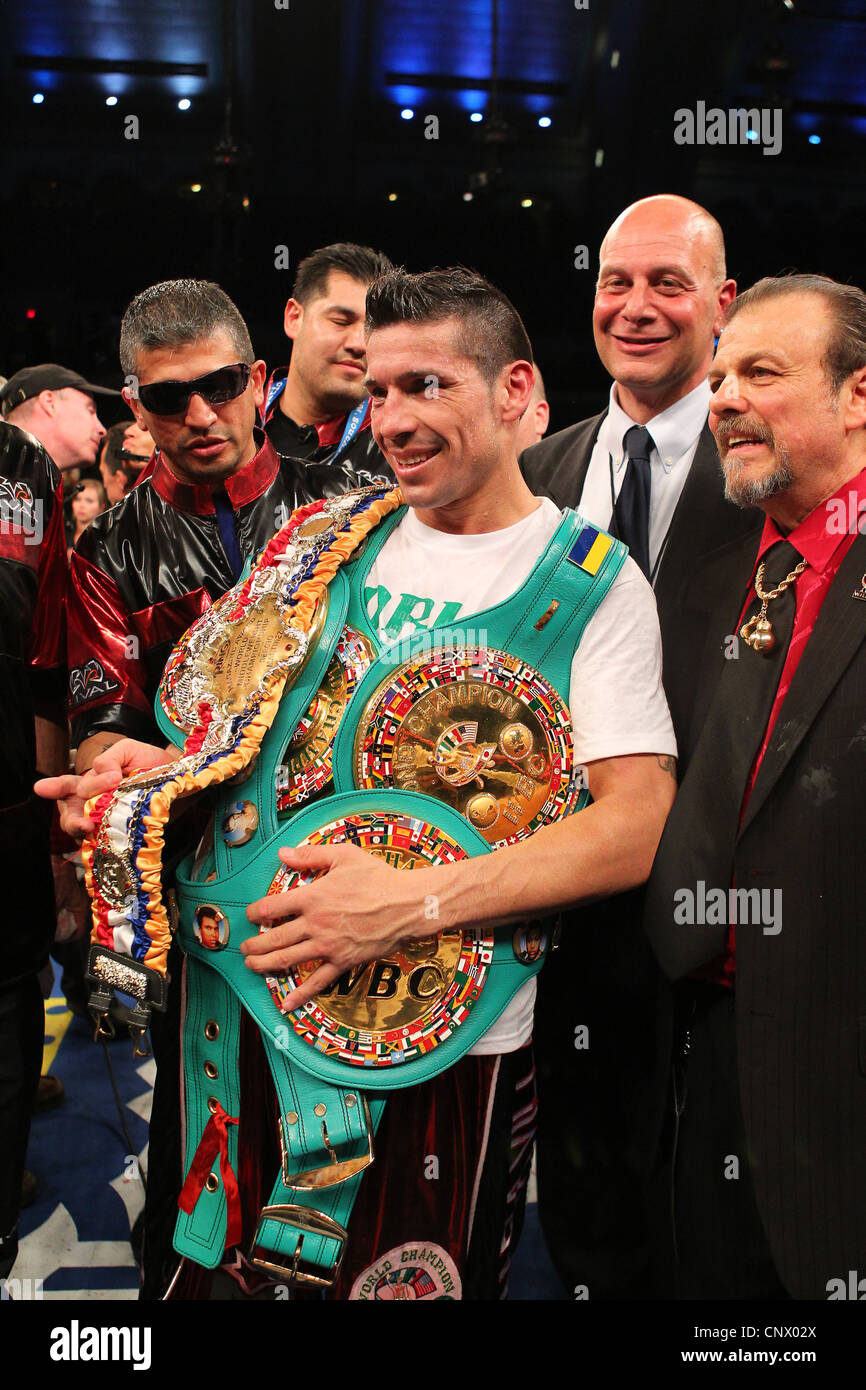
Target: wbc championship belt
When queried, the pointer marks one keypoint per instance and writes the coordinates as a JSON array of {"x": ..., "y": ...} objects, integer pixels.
[
  {"x": 223, "y": 686},
  {"x": 306, "y": 770},
  {"x": 475, "y": 727},
  {"x": 456, "y": 750},
  {"x": 387, "y": 1023}
]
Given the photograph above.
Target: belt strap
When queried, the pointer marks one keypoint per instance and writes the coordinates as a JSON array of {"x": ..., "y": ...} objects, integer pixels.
[
  {"x": 326, "y": 1142},
  {"x": 211, "y": 1033}
]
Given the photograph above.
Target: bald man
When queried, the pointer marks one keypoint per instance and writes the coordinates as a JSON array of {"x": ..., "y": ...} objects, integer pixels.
[
  {"x": 661, "y": 293},
  {"x": 647, "y": 470}
]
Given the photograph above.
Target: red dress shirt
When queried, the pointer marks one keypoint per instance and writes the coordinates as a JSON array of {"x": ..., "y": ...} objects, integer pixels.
[{"x": 823, "y": 538}]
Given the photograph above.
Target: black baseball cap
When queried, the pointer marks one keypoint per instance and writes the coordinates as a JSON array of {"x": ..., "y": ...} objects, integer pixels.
[{"x": 48, "y": 376}]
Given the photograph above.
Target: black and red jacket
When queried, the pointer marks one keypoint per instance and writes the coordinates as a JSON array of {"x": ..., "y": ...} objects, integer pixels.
[
  {"x": 32, "y": 677},
  {"x": 318, "y": 443},
  {"x": 143, "y": 571}
]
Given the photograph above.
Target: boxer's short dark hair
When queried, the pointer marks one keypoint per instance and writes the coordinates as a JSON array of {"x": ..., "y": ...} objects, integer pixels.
[{"x": 491, "y": 331}]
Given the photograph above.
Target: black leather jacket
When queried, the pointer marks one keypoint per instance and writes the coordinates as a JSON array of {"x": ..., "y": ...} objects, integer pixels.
[
  {"x": 145, "y": 570},
  {"x": 32, "y": 582}
]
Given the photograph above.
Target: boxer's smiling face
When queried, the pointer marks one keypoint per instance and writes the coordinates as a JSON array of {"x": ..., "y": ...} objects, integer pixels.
[{"x": 443, "y": 428}]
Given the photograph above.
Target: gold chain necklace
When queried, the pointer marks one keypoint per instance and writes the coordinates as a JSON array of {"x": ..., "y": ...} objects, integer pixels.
[{"x": 758, "y": 631}]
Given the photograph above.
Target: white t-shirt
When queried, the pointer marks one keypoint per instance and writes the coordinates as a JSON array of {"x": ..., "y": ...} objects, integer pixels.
[{"x": 421, "y": 577}]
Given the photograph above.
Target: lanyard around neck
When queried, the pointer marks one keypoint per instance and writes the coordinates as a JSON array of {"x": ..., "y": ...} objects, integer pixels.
[{"x": 353, "y": 423}]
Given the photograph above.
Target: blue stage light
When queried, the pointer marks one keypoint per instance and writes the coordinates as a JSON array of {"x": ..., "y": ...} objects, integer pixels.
[
  {"x": 544, "y": 122},
  {"x": 407, "y": 113},
  {"x": 38, "y": 98},
  {"x": 111, "y": 101},
  {"x": 184, "y": 104},
  {"x": 476, "y": 117},
  {"x": 814, "y": 139}
]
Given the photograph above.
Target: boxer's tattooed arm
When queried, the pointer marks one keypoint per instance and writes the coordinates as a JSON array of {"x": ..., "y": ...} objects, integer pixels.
[
  {"x": 92, "y": 747},
  {"x": 667, "y": 763},
  {"x": 104, "y": 746}
]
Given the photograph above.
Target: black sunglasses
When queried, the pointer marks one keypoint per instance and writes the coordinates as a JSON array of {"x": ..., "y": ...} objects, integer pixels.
[{"x": 172, "y": 397}]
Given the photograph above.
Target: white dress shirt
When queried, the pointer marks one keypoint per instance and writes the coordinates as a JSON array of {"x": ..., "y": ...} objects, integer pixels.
[{"x": 675, "y": 433}]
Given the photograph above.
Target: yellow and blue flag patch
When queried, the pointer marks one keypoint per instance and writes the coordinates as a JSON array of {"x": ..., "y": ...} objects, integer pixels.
[{"x": 590, "y": 549}]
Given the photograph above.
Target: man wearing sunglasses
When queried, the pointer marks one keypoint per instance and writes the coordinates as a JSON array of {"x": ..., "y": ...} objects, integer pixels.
[
  {"x": 471, "y": 540},
  {"x": 218, "y": 489}
]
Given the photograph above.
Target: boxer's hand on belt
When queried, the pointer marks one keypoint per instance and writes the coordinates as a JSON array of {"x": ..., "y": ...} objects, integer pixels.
[
  {"x": 357, "y": 909},
  {"x": 71, "y": 792}
]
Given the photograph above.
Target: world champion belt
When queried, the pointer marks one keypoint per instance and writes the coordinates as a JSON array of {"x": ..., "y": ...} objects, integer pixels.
[
  {"x": 457, "y": 749},
  {"x": 306, "y": 770},
  {"x": 476, "y": 728},
  {"x": 223, "y": 686},
  {"x": 387, "y": 1023}
]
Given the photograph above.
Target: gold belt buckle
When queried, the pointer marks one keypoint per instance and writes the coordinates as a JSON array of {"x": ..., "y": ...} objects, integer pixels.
[
  {"x": 333, "y": 1173},
  {"x": 309, "y": 1222}
]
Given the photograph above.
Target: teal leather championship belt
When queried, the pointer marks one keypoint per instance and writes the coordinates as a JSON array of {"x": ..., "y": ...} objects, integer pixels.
[{"x": 452, "y": 743}]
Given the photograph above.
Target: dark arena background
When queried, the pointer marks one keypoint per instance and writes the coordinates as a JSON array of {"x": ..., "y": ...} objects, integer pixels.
[
  {"x": 227, "y": 139},
  {"x": 496, "y": 133}
]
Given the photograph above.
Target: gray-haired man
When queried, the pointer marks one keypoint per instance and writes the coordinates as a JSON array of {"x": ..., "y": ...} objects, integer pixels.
[{"x": 217, "y": 493}]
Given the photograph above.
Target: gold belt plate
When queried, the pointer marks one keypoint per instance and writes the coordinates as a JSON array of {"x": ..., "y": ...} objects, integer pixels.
[
  {"x": 406, "y": 1003},
  {"x": 478, "y": 729},
  {"x": 306, "y": 768}
]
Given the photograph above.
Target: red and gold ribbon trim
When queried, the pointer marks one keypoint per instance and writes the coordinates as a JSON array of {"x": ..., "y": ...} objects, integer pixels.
[{"x": 149, "y": 858}]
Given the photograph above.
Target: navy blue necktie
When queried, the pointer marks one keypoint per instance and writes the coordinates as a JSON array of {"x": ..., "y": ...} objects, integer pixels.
[
  {"x": 632, "y": 509},
  {"x": 226, "y": 522}
]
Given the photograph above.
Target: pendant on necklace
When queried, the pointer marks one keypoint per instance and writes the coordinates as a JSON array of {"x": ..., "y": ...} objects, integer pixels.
[{"x": 758, "y": 634}]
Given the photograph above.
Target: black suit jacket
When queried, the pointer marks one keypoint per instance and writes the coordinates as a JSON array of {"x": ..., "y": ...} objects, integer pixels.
[
  {"x": 801, "y": 992},
  {"x": 703, "y": 524},
  {"x": 600, "y": 1108}
]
